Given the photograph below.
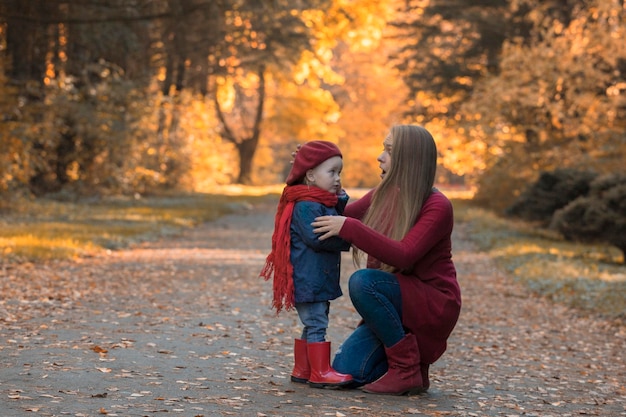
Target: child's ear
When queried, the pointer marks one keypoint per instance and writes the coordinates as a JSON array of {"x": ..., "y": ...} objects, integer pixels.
[{"x": 310, "y": 177}]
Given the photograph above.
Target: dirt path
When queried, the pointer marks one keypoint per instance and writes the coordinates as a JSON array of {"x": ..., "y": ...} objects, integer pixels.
[{"x": 183, "y": 327}]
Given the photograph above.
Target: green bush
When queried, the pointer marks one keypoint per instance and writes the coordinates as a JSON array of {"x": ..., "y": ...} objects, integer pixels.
[
  {"x": 552, "y": 191},
  {"x": 599, "y": 216}
]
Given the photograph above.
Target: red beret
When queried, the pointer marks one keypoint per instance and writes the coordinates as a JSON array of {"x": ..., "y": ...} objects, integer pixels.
[{"x": 310, "y": 155}]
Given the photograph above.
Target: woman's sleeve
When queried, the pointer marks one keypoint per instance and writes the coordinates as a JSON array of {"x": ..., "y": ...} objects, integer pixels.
[
  {"x": 342, "y": 201},
  {"x": 434, "y": 223}
]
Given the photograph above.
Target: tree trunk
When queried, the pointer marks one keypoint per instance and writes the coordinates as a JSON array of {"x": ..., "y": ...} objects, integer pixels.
[
  {"x": 246, "y": 150},
  {"x": 246, "y": 146}
]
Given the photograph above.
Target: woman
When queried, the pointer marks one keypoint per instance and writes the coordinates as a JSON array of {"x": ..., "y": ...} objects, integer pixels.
[{"x": 408, "y": 296}]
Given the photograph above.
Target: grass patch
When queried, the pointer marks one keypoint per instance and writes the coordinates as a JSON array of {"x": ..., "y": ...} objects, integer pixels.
[
  {"x": 46, "y": 229},
  {"x": 591, "y": 278}
]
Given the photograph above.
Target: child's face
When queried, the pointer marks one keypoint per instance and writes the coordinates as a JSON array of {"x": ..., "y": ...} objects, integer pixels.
[{"x": 326, "y": 175}]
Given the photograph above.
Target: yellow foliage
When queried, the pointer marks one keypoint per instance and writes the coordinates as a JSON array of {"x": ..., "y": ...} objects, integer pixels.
[
  {"x": 294, "y": 114},
  {"x": 371, "y": 102},
  {"x": 547, "y": 108},
  {"x": 212, "y": 161}
]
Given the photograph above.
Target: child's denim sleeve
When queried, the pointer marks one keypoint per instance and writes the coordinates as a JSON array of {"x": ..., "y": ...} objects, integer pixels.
[
  {"x": 342, "y": 201},
  {"x": 303, "y": 215}
]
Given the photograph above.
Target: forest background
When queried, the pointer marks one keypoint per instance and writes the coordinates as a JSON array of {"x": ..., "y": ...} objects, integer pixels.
[{"x": 135, "y": 97}]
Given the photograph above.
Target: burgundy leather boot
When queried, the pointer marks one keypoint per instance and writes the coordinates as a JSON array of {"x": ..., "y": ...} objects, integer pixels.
[
  {"x": 322, "y": 374},
  {"x": 404, "y": 375},
  {"x": 301, "y": 368}
]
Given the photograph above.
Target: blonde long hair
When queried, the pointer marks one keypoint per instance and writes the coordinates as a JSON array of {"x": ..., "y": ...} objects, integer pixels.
[{"x": 398, "y": 199}]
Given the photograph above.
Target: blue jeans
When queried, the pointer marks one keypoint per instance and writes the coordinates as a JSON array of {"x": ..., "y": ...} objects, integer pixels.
[
  {"x": 377, "y": 298},
  {"x": 314, "y": 317}
]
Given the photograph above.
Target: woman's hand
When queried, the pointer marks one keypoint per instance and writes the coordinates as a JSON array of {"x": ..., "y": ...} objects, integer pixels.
[{"x": 328, "y": 226}]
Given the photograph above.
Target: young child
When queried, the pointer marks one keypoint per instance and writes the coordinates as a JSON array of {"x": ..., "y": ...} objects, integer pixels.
[{"x": 306, "y": 269}]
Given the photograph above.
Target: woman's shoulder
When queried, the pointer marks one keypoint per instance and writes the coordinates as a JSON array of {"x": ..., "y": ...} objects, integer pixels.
[
  {"x": 438, "y": 201},
  {"x": 437, "y": 197}
]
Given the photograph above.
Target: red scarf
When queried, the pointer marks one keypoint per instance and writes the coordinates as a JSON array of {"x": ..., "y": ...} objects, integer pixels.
[{"x": 278, "y": 261}]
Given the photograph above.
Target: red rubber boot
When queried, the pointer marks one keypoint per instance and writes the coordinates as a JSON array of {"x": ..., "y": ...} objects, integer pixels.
[
  {"x": 322, "y": 374},
  {"x": 301, "y": 369}
]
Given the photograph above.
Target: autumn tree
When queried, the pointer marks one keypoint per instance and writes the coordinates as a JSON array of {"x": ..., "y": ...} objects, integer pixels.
[
  {"x": 354, "y": 95},
  {"x": 371, "y": 99},
  {"x": 80, "y": 96},
  {"x": 120, "y": 96},
  {"x": 262, "y": 38},
  {"x": 447, "y": 46},
  {"x": 295, "y": 48},
  {"x": 70, "y": 117},
  {"x": 14, "y": 149},
  {"x": 187, "y": 47},
  {"x": 444, "y": 49},
  {"x": 558, "y": 101}
]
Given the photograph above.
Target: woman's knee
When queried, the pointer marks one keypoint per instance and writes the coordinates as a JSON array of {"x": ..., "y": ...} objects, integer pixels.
[
  {"x": 360, "y": 281},
  {"x": 367, "y": 283}
]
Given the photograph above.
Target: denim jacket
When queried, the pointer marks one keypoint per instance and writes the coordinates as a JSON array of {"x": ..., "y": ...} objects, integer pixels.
[{"x": 316, "y": 263}]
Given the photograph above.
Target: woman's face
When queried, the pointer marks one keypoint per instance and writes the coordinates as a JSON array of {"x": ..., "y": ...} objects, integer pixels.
[{"x": 384, "y": 159}]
